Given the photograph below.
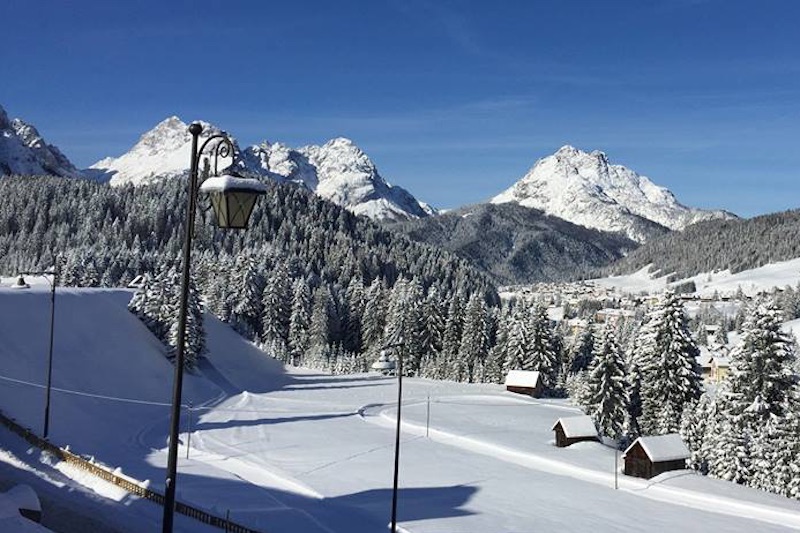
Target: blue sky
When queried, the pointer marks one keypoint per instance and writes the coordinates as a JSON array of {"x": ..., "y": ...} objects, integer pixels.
[{"x": 453, "y": 100}]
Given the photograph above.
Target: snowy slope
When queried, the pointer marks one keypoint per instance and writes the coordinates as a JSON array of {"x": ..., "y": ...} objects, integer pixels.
[
  {"x": 294, "y": 450},
  {"x": 338, "y": 171},
  {"x": 24, "y": 151},
  {"x": 761, "y": 279},
  {"x": 586, "y": 189}
]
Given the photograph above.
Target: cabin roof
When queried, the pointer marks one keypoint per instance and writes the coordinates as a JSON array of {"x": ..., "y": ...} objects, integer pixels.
[
  {"x": 661, "y": 448},
  {"x": 577, "y": 426},
  {"x": 523, "y": 378}
]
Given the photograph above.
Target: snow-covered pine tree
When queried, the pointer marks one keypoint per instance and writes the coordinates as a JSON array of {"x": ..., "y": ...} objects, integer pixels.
[
  {"x": 138, "y": 302},
  {"x": 721, "y": 335},
  {"x": 754, "y": 399},
  {"x": 701, "y": 335},
  {"x": 299, "y": 321},
  {"x": 517, "y": 346},
  {"x": 540, "y": 349},
  {"x": 435, "y": 315},
  {"x": 277, "y": 307},
  {"x": 374, "y": 318},
  {"x": 319, "y": 332},
  {"x": 495, "y": 359},
  {"x": 195, "y": 336},
  {"x": 581, "y": 354},
  {"x": 761, "y": 375},
  {"x": 606, "y": 394},
  {"x": 727, "y": 446},
  {"x": 451, "y": 367},
  {"x": 195, "y": 327},
  {"x": 776, "y": 455},
  {"x": 90, "y": 277},
  {"x": 404, "y": 320},
  {"x": 356, "y": 303},
  {"x": 694, "y": 427},
  {"x": 248, "y": 284},
  {"x": 666, "y": 360},
  {"x": 474, "y": 339}
]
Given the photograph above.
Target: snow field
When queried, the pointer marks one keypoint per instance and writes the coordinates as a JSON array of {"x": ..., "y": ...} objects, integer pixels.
[{"x": 296, "y": 450}]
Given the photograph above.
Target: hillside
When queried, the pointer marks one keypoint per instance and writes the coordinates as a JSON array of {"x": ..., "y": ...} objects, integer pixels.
[
  {"x": 515, "y": 244},
  {"x": 120, "y": 232},
  {"x": 733, "y": 245}
]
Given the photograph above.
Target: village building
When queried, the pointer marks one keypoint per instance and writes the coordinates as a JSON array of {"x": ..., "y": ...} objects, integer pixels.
[
  {"x": 719, "y": 368},
  {"x": 613, "y": 315},
  {"x": 570, "y": 430},
  {"x": 528, "y": 382},
  {"x": 650, "y": 456}
]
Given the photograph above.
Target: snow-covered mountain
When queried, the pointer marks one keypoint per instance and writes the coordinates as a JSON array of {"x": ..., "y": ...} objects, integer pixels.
[
  {"x": 338, "y": 170},
  {"x": 24, "y": 151},
  {"x": 584, "y": 188},
  {"x": 162, "y": 152}
]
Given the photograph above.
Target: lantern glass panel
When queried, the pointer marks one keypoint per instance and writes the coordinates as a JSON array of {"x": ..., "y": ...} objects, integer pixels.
[{"x": 233, "y": 208}]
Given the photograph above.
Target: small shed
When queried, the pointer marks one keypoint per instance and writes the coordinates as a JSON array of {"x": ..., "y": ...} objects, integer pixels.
[
  {"x": 574, "y": 429},
  {"x": 650, "y": 456},
  {"x": 528, "y": 382}
]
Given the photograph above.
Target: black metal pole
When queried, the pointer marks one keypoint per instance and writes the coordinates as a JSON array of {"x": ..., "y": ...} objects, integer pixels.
[
  {"x": 172, "y": 460},
  {"x": 50, "y": 353},
  {"x": 397, "y": 439}
]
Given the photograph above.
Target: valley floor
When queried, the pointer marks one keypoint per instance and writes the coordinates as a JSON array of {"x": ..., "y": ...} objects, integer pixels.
[{"x": 293, "y": 450}]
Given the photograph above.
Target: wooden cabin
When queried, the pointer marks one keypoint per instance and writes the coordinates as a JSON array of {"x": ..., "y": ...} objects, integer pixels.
[
  {"x": 528, "y": 382},
  {"x": 650, "y": 456},
  {"x": 574, "y": 429}
]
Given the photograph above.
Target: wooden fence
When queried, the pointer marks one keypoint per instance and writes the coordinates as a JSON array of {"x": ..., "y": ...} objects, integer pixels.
[{"x": 130, "y": 485}]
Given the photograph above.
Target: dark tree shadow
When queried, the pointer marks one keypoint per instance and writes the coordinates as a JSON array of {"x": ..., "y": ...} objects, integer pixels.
[{"x": 205, "y": 426}]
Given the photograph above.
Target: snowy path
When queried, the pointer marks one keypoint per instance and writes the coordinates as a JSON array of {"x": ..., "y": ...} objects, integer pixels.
[{"x": 386, "y": 416}]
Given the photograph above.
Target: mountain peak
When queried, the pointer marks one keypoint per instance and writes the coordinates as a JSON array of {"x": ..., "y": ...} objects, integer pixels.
[
  {"x": 341, "y": 142},
  {"x": 24, "y": 151},
  {"x": 568, "y": 150},
  {"x": 338, "y": 171},
  {"x": 163, "y": 151},
  {"x": 584, "y": 188}
]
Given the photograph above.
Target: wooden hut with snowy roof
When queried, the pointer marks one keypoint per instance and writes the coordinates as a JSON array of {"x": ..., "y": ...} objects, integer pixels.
[
  {"x": 572, "y": 429},
  {"x": 650, "y": 456},
  {"x": 528, "y": 382}
]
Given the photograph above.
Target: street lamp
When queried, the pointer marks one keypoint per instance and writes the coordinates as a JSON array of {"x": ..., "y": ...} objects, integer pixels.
[
  {"x": 233, "y": 199},
  {"x": 399, "y": 368},
  {"x": 53, "y": 281}
]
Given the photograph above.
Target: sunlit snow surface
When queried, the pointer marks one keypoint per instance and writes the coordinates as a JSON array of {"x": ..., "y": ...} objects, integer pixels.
[
  {"x": 301, "y": 451},
  {"x": 765, "y": 278}
]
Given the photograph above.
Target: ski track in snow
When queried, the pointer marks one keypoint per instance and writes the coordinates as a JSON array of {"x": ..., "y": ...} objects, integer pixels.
[{"x": 381, "y": 414}]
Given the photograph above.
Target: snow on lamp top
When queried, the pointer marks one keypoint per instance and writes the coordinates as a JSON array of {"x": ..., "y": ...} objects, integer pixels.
[
  {"x": 233, "y": 199},
  {"x": 232, "y": 183}
]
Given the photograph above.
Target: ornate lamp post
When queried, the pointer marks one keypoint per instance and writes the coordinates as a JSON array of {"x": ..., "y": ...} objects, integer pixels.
[
  {"x": 398, "y": 347},
  {"x": 233, "y": 199}
]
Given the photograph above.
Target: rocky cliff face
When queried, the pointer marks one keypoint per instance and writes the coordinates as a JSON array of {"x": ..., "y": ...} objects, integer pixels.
[{"x": 24, "y": 151}]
